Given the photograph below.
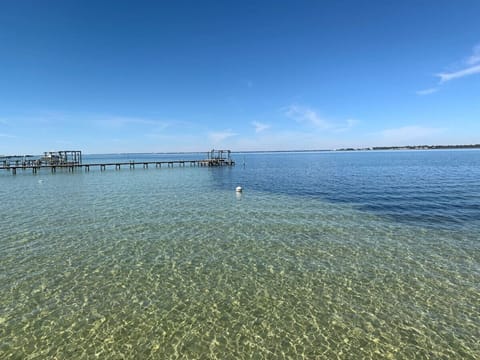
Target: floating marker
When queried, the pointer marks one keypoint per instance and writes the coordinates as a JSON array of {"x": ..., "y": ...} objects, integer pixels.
[{"x": 238, "y": 189}]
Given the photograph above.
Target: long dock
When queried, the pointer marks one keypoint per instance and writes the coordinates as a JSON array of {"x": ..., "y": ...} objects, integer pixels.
[{"x": 71, "y": 167}]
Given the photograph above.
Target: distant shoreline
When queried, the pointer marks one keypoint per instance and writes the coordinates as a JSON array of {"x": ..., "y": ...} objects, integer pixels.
[{"x": 414, "y": 147}]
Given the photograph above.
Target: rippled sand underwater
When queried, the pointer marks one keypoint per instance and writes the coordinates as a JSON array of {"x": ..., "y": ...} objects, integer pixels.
[{"x": 158, "y": 265}]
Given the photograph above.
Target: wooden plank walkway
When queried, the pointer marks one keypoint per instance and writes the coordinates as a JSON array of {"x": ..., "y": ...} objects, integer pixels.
[{"x": 118, "y": 165}]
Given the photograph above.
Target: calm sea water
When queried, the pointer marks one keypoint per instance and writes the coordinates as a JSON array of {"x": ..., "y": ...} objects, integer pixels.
[{"x": 324, "y": 255}]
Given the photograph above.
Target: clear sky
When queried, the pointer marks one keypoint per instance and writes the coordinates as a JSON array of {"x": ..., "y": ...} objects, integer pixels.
[{"x": 165, "y": 76}]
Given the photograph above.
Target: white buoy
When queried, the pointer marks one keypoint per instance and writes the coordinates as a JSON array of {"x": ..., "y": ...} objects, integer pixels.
[{"x": 238, "y": 189}]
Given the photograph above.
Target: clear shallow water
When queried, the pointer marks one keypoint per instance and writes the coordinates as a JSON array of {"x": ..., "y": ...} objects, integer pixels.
[{"x": 324, "y": 255}]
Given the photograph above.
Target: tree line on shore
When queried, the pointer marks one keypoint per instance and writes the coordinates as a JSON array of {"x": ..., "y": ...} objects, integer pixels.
[{"x": 415, "y": 147}]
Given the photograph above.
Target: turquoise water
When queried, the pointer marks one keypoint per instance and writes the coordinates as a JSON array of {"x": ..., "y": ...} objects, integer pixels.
[{"x": 324, "y": 255}]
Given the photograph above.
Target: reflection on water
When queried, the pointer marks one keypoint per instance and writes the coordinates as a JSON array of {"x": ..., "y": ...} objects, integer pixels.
[{"x": 174, "y": 264}]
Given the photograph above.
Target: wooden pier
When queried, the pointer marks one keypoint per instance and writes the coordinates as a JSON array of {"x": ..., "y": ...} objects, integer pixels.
[{"x": 215, "y": 158}]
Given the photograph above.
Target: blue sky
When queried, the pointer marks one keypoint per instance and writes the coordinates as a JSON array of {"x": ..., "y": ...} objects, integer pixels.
[{"x": 165, "y": 76}]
